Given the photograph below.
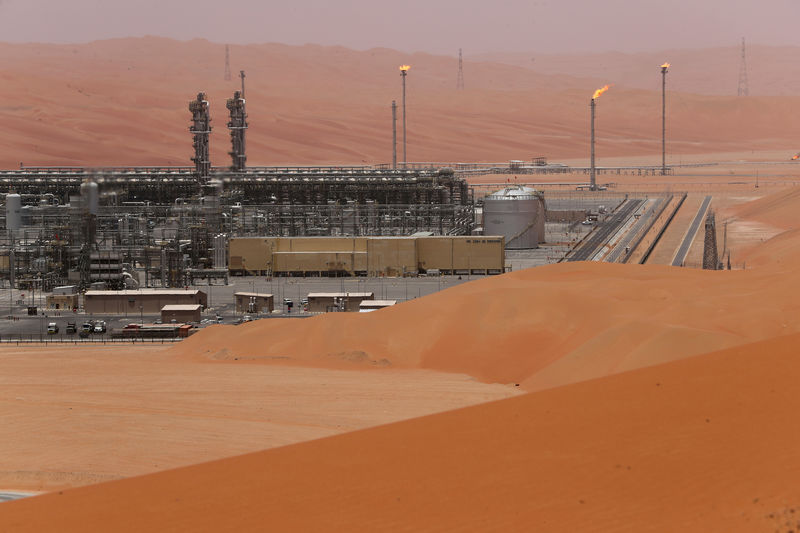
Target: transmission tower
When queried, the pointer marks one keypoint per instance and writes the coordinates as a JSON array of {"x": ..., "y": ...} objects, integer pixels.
[
  {"x": 460, "y": 80},
  {"x": 710, "y": 254},
  {"x": 743, "y": 89},
  {"x": 227, "y": 63}
]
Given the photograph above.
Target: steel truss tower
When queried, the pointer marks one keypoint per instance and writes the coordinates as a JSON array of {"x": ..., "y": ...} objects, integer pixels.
[
  {"x": 743, "y": 89},
  {"x": 460, "y": 80},
  {"x": 710, "y": 253},
  {"x": 227, "y": 63}
]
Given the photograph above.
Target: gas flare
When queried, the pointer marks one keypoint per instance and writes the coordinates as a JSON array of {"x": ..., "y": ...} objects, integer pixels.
[
  {"x": 795, "y": 157},
  {"x": 666, "y": 65},
  {"x": 598, "y": 92},
  {"x": 404, "y": 68}
]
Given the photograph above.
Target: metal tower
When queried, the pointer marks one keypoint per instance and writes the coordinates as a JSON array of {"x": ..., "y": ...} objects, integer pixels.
[
  {"x": 200, "y": 128},
  {"x": 403, "y": 73},
  {"x": 227, "y": 63},
  {"x": 710, "y": 254},
  {"x": 460, "y": 80},
  {"x": 664, "y": 69},
  {"x": 394, "y": 134},
  {"x": 238, "y": 125},
  {"x": 743, "y": 89}
]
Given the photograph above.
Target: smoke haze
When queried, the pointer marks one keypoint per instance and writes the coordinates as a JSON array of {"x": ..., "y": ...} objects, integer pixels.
[{"x": 545, "y": 26}]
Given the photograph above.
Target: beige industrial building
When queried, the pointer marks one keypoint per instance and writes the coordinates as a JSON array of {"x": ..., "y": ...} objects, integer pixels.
[
  {"x": 181, "y": 313},
  {"x": 253, "y": 302},
  {"x": 323, "y": 302},
  {"x": 63, "y": 301},
  {"x": 369, "y": 256},
  {"x": 141, "y": 301}
]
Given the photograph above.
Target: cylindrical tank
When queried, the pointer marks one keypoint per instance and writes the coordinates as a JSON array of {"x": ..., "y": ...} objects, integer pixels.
[
  {"x": 13, "y": 212},
  {"x": 90, "y": 195},
  {"x": 516, "y": 213}
]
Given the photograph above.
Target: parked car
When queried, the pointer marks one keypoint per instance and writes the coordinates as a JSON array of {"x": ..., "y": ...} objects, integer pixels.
[
  {"x": 100, "y": 327},
  {"x": 72, "y": 329},
  {"x": 87, "y": 328},
  {"x": 52, "y": 328}
]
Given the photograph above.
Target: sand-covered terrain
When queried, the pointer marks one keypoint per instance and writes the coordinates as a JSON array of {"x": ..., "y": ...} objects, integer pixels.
[
  {"x": 124, "y": 102},
  {"x": 630, "y": 397},
  {"x": 704, "y": 444}
]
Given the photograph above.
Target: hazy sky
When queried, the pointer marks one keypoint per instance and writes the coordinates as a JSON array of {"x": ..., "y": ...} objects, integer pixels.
[{"x": 439, "y": 26}]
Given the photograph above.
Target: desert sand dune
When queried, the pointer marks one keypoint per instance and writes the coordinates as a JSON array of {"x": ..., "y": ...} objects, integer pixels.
[
  {"x": 703, "y": 444},
  {"x": 123, "y": 102}
]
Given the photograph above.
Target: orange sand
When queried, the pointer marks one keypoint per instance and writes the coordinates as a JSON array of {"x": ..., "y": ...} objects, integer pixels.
[
  {"x": 695, "y": 445},
  {"x": 123, "y": 102},
  {"x": 704, "y": 444}
]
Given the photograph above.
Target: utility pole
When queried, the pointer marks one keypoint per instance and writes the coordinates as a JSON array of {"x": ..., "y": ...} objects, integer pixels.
[
  {"x": 403, "y": 73},
  {"x": 743, "y": 88},
  {"x": 460, "y": 80},
  {"x": 664, "y": 69},
  {"x": 394, "y": 134}
]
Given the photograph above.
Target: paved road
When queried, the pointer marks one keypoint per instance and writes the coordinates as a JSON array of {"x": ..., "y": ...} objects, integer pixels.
[
  {"x": 605, "y": 231},
  {"x": 680, "y": 257}
]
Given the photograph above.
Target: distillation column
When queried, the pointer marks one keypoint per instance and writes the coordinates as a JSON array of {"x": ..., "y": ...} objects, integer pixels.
[{"x": 201, "y": 128}]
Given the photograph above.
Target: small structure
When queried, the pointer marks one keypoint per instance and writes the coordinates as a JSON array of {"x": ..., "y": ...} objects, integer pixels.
[
  {"x": 181, "y": 313},
  {"x": 367, "y": 306},
  {"x": 253, "y": 302},
  {"x": 63, "y": 301},
  {"x": 324, "y": 302},
  {"x": 141, "y": 301}
]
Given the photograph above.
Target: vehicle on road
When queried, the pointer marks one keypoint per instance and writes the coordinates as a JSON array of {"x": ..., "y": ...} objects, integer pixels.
[
  {"x": 72, "y": 329},
  {"x": 87, "y": 327},
  {"x": 99, "y": 327},
  {"x": 52, "y": 328}
]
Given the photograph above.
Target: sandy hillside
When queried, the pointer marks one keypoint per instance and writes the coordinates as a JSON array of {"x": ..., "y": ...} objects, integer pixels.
[
  {"x": 703, "y": 444},
  {"x": 770, "y": 69},
  {"x": 78, "y": 416},
  {"x": 124, "y": 102}
]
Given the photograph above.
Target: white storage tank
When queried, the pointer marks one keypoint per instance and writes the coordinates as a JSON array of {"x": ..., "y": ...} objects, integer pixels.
[
  {"x": 13, "y": 212},
  {"x": 516, "y": 213}
]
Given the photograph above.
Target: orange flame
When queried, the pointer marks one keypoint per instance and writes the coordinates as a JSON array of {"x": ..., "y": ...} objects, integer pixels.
[
  {"x": 598, "y": 92},
  {"x": 405, "y": 68},
  {"x": 795, "y": 157},
  {"x": 666, "y": 65}
]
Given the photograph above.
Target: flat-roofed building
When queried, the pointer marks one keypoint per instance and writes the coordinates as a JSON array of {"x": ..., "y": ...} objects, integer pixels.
[
  {"x": 181, "y": 313},
  {"x": 323, "y": 302},
  {"x": 253, "y": 302},
  {"x": 367, "y": 256},
  {"x": 141, "y": 301}
]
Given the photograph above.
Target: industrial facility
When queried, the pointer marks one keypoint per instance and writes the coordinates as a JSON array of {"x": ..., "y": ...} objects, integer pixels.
[{"x": 131, "y": 230}]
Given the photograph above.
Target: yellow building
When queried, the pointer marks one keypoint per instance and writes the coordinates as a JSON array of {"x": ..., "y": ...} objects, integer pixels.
[{"x": 370, "y": 256}]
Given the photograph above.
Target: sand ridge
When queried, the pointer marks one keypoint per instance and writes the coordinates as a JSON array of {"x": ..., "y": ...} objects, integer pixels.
[
  {"x": 702, "y": 444},
  {"x": 123, "y": 102}
]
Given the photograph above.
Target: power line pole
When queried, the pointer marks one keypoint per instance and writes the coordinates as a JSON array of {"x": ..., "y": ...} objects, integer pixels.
[
  {"x": 460, "y": 80},
  {"x": 227, "y": 63},
  {"x": 664, "y": 69},
  {"x": 743, "y": 89},
  {"x": 403, "y": 73},
  {"x": 394, "y": 134}
]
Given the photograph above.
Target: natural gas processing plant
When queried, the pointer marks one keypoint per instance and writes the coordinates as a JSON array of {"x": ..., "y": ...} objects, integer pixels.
[{"x": 143, "y": 227}]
